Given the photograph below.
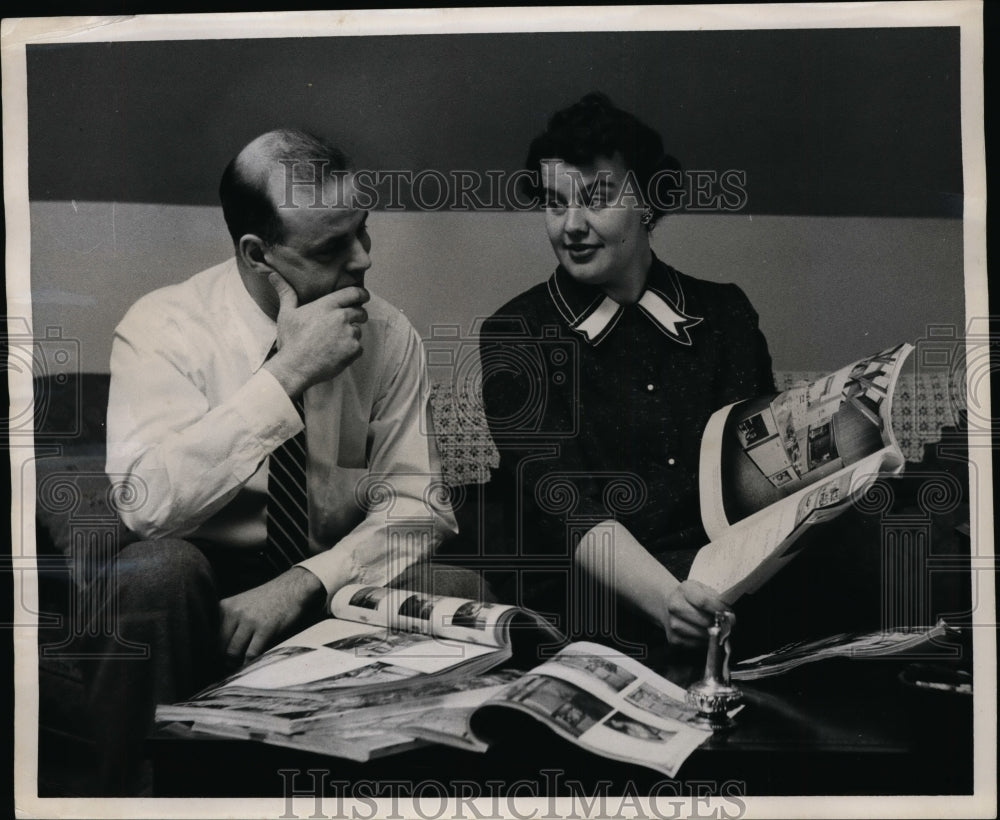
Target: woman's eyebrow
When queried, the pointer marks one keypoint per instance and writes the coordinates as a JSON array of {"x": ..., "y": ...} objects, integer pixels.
[{"x": 601, "y": 182}]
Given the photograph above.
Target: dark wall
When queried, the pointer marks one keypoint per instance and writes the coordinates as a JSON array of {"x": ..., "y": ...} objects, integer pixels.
[{"x": 824, "y": 122}]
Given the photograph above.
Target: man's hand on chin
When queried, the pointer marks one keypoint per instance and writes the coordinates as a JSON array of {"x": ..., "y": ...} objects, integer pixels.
[{"x": 255, "y": 620}]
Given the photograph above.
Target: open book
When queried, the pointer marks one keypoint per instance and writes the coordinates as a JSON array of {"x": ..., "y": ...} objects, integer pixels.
[{"x": 773, "y": 466}]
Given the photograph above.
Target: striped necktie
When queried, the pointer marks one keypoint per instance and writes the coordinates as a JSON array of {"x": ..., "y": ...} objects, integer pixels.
[{"x": 287, "y": 502}]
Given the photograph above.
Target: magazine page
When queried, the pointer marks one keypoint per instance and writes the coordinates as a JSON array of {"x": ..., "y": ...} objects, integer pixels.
[
  {"x": 462, "y": 694},
  {"x": 459, "y": 619},
  {"x": 609, "y": 704},
  {"x": 260, "y": 709},
  {"x": 345, "y": 654},
  {"x": 929, "y": 641},
  {"x": 750, "y": 552},
  {"x": 757, "y": 452},
  {"x": 367, "y": 706}
]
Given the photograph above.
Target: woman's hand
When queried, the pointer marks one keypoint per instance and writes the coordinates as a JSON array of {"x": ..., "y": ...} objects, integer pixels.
[{"x": 689, "y": 609}]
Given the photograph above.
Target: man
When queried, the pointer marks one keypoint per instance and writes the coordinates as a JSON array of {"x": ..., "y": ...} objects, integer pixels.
[{"x": 206, "y": 377}]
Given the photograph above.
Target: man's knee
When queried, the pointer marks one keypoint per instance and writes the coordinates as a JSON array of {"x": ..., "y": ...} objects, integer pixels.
[
  {"x": 157, "y": 595},
  {"x": 165, "y": 570}
]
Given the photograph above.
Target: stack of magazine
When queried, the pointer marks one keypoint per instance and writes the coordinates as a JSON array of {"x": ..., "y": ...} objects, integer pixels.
[{"x": 392, "y": 670}]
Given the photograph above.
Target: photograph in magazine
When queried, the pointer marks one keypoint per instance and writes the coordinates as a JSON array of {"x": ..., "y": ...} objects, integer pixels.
[{"x": 576, "y": 403}]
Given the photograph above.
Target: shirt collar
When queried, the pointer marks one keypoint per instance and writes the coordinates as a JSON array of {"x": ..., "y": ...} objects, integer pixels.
[
  {"x": 593, "y": 314},
  {"x": 257, "y": 330}
]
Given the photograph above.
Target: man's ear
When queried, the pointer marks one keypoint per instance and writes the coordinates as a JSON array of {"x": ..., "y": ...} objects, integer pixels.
[{"x": 251, "y": 250}]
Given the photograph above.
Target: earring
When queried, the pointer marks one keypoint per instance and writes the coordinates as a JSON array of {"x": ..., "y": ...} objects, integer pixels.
[{"x": 647, "y": 216}]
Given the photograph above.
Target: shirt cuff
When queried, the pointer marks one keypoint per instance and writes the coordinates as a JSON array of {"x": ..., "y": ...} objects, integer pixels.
[
  {"x": 349, "y": 562},
  {"x": 335, "y": 569}
]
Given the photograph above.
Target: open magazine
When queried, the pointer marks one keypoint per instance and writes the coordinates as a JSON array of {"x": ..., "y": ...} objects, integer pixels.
[
  {"x": 593, "y": 696},
  {"x": 773, "y": 466},
  {"x": 379, "y": 641}
]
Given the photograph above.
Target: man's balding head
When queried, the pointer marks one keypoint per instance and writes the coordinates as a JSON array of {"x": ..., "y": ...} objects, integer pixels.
[{"x": 247, "y": 188}]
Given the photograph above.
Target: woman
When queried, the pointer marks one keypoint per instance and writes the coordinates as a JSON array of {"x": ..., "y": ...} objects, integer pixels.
[{"x": 598, "y": 382}]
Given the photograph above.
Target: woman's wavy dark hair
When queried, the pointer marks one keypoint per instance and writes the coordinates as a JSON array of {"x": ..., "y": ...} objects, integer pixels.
[{"x": 594, "y": 127}]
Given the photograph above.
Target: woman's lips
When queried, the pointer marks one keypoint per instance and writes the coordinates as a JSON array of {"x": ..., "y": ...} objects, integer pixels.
[{"x": 582, "y": 253}]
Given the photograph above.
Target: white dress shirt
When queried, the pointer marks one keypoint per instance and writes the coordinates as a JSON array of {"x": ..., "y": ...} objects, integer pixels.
[{"x": 192, "y": 418}]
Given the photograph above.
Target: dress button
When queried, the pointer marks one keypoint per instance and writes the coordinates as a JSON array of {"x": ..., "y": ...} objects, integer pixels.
[
  {"x": 650, "y": 387},
  {"x": 671, "y": 461}
]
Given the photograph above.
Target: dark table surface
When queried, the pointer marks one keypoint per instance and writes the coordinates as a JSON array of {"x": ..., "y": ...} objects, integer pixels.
[{"x": 838, "y": 727}]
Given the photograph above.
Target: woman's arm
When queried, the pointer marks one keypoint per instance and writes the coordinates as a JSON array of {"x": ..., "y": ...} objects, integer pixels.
[{"x": 685, "y": 609}]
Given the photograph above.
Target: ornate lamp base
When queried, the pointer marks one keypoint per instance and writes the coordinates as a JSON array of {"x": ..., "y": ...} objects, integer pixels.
[
  {"x": 714, "y": 701},
  {"x": 714, "y": 696}
]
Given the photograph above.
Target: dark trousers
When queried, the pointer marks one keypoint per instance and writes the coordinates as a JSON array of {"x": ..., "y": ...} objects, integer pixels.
[{"x": 162, "y": 598}]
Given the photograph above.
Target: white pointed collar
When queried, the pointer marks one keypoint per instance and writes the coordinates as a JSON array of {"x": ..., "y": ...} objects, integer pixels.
[{"x": 593, "y": 314}]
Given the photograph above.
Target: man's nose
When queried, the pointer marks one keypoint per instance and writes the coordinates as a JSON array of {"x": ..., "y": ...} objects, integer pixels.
[{"x": 360, "y": 258}]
